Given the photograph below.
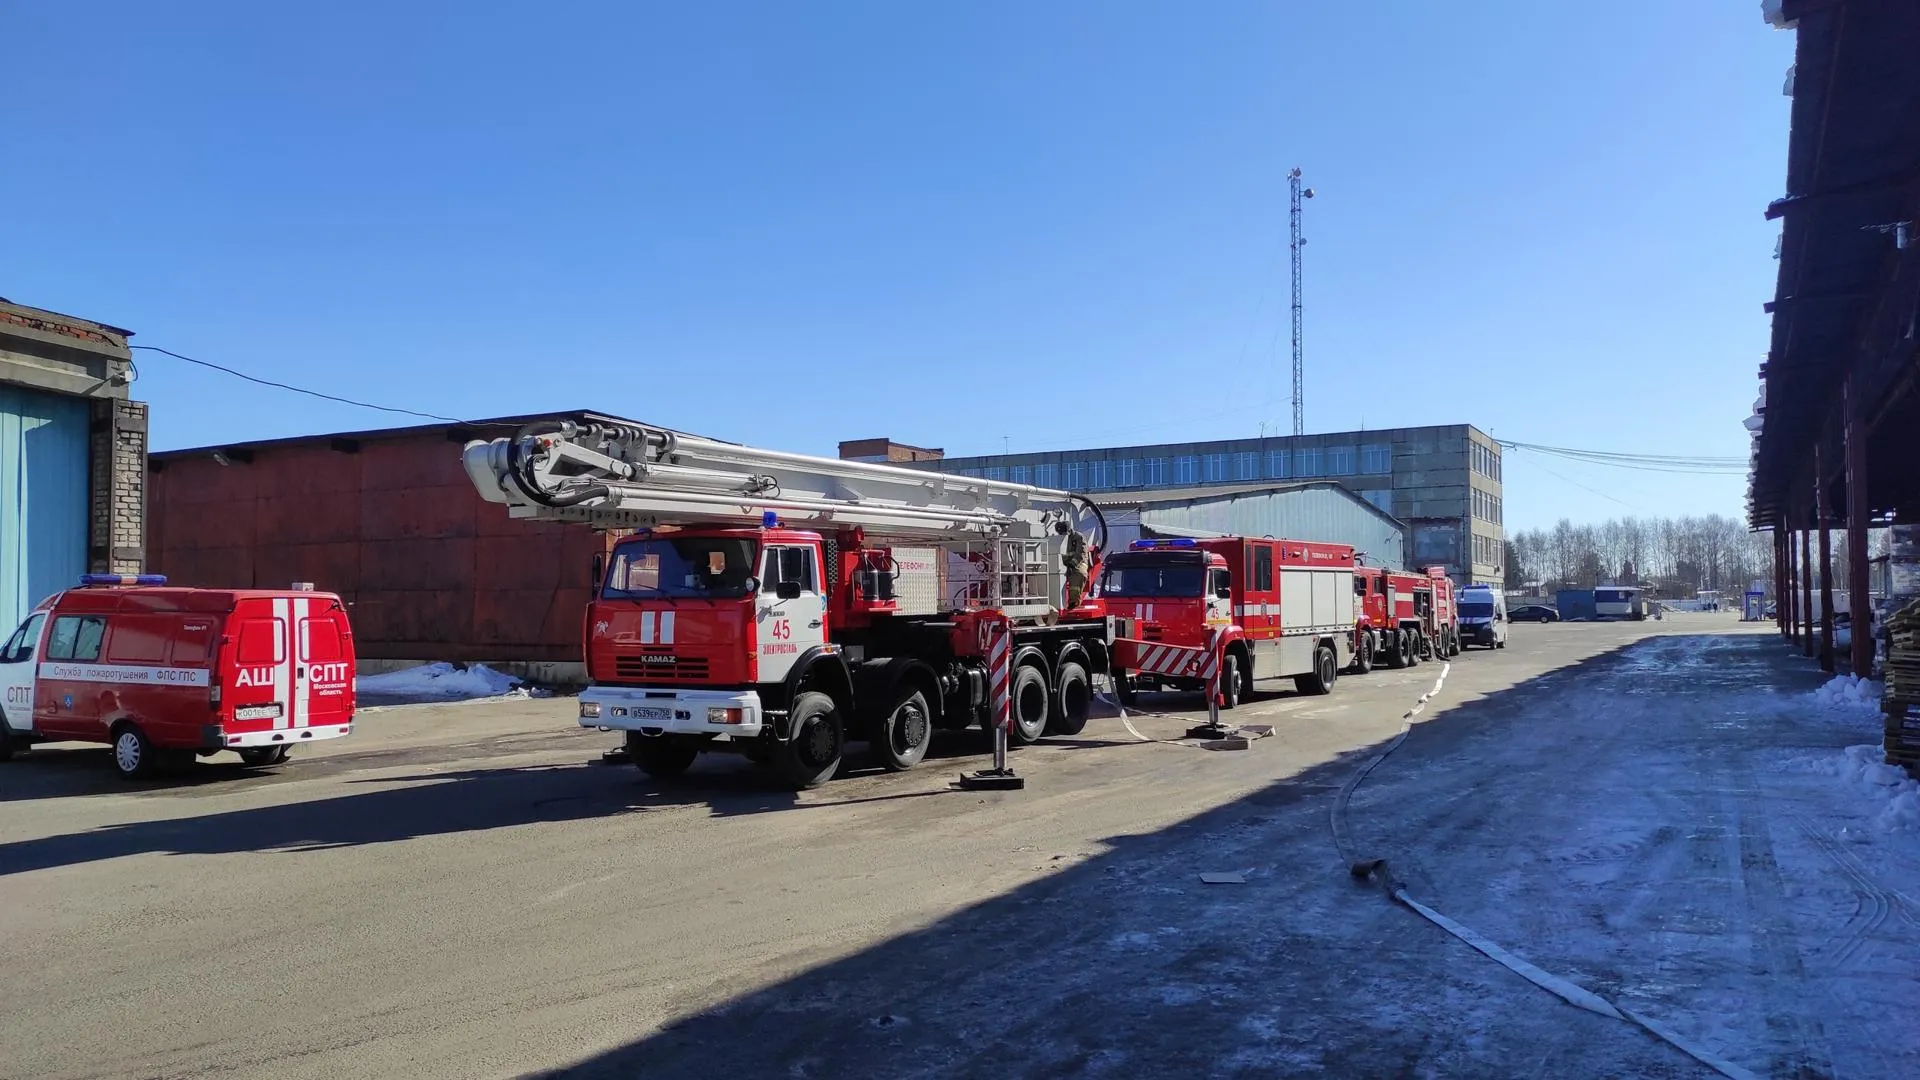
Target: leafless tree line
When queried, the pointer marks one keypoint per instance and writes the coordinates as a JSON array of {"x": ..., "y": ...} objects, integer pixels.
[{"x": 1676, "y": 556}]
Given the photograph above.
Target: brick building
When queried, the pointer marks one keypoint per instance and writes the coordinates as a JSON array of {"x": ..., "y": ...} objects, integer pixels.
[{"x": 73, "y": 449}]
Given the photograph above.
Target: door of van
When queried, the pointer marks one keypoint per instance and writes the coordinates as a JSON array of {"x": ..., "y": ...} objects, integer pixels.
[
  {"x": 17, "y": 660},
  {"x": 323, "y": 675},
  {"x": 72, "y": 685}
]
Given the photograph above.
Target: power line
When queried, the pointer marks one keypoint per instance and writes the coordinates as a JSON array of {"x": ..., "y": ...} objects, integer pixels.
[{"x": 300, "y": 389}]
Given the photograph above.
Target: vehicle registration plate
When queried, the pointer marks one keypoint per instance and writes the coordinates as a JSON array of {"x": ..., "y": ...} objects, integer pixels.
[
  {"x": 257, "y": 712},
  {"x": 647, "y": 712}
]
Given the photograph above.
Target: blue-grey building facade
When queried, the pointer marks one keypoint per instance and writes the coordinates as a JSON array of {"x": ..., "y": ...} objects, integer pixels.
[{"x": 1308, "y": 510}]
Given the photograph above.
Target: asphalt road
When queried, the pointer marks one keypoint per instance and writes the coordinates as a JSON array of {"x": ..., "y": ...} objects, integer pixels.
[{"x": 462, "y": 891}]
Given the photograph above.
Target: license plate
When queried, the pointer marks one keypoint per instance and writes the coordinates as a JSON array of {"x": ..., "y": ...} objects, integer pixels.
[
  {"x": 643, "y": 712},
  {"x": 257, "y": 712}
]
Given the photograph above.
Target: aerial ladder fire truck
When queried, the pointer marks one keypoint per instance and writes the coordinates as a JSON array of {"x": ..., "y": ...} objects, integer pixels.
[{"x": 780, "y": 606}]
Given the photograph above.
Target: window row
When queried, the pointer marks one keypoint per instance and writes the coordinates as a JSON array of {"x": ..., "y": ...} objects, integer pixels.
[
  {"x": 1486, "y": 461},
  {"x": 1488, "y": 551},
  {"x": 1304, "y": 462},
  {"x": 1489, "y": 507}
]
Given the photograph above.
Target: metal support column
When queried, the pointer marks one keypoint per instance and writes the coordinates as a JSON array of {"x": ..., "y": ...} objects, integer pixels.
[
  {"x": 1806, "y": 591},
  {"x": 1859, "y": 603},
  {"x": 1781, "y": 609},
  {"x": 1826, "y": 559},
  {"x": 1790, "y": 602}
]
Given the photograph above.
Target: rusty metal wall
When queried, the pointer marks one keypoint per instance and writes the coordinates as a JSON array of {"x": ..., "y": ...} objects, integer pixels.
[{"x": 430, "y": 571}]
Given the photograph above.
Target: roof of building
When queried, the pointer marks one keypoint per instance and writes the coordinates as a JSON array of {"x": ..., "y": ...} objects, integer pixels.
[
  {"x": 1212, "y": 492},
  {"x": 461, "y": 431},
  {"x": 1853, "y": 169}
]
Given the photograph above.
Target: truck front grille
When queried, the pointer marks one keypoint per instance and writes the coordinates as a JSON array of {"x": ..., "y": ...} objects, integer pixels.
[{"x": 663, "y": 669}]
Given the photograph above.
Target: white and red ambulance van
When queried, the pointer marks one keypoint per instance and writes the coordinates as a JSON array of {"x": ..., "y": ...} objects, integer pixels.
[{"x": 163, "y": 673}]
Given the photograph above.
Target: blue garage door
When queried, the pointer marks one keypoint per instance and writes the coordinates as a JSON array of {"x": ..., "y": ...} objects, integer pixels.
[{"x": 43, "y": 498}]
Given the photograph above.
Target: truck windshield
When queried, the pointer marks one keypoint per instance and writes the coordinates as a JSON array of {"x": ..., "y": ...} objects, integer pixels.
[
  {"x": 1153, "y": 577},
  {"x": 703, "y": 566},
  {"x": 1476, "y": 609}
]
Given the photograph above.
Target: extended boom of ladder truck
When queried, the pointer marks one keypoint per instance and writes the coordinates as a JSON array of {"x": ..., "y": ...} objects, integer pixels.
[{"x": 781, "y": 606}]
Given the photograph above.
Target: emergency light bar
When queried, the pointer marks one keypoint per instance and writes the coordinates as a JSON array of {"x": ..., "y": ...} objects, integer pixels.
[
  {"x": 123, "y": 579},
  {"x": 1145, "y": 545}
]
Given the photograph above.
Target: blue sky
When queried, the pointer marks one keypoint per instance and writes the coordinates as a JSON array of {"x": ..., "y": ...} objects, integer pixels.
[{"x": 1055, "y": 224}]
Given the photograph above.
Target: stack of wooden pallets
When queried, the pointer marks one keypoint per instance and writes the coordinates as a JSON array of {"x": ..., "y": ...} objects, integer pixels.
[{"x": 1901, "y": 699}]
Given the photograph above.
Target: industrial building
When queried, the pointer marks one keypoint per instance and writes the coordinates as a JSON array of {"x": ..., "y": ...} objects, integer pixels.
[
  {"x": 389, "y": 520},
  {"x": 1442, "y": 482},
  {"x": 72, "y": 449},
  {"x": 1312, "y": 510}
]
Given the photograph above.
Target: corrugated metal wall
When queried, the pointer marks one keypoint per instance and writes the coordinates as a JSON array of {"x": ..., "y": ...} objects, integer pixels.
[
  {"x": 431, "y": 571},
  {"x": 1321, "y": 514},
  {"x": 43, "y": 498}
]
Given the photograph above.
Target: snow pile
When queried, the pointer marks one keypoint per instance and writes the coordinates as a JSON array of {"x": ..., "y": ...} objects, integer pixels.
[
  {"x": 441, "y": 682},
  {"x": 1864, "y": 768},
  {"x": 1848, "y": 692}
]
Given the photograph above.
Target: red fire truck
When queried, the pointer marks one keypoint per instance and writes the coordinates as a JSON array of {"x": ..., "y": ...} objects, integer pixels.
[
  {"x": 1280, "y": 607},
  {"x": 780, "y": 606},
  {"x": 1402, "y": 618}
]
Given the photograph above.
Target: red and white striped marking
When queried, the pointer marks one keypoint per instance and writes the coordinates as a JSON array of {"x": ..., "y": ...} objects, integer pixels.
[
  {"x": 1000, "y": 672},
  {"x": 656, "y": 628},
  {"x": 1210, "y": 664}
]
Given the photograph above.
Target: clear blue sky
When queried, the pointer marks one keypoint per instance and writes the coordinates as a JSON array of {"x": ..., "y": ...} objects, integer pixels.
[{"x": 1062, "y": 223}]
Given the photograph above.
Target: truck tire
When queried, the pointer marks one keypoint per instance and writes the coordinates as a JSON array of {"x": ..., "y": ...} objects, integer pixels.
[
  {"x": 133, "y": 755},
  {"x": 1396, "y": 658},
  {"x": 9, "y": 742},
  {"x": 1410, "y": 648},
  {"x": 662, "y": 759},
  {"x": 1072, "y": 701},
  {"x": 1123, "y": 689},
  {"x": 813, "y": 754},
  {"x": 1029, "y": 693},
  {"x": 260, "y": 756},
  {"x": 1363, "y": 656},
  {"x": 1320, "y": 679},
  {"x": 1230, "y": 681},
  {"x": 902, "y": 736}
]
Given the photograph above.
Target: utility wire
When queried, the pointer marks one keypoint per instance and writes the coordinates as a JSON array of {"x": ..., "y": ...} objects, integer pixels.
[{"x": 300, "y": 389}]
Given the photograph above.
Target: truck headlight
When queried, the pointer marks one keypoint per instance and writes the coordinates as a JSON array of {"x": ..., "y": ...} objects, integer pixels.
[
  {"x": 723, "y": 716},
  {"x": 590, "y": 710}
]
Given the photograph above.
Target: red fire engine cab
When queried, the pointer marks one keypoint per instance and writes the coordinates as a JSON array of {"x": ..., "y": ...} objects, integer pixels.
[
  {"x": 1402, "y": 618},
  {"x": 1279, "y": 607}
]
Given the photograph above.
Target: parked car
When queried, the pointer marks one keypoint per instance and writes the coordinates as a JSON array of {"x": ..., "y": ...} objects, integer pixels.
[{"x": 1534, "y": 613}]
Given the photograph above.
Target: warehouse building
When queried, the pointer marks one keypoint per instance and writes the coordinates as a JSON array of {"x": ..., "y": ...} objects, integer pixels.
[
  {"x": 72, "y": 446},
  {"x": 1313, "y": 510},
  {"x": 389, "y": 520},
  {"x": 1442, "y": 482}
]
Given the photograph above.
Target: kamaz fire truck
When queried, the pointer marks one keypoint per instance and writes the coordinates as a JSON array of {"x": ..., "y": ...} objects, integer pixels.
[
  {"x": 1402, "y": 618},
  {"x": 1279, "y": 609},
  {"x": 780, "y": 606}
]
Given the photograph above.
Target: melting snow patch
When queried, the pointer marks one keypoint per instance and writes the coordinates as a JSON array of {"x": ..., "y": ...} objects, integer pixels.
[
  {"x": 1864, "y": 769},
  {"x": 1848, "y": 693},
  {"x": 442, "y": 682}
]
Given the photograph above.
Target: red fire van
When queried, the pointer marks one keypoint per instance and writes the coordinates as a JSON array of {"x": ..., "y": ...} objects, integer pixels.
[{"x": 164, "y": 673}]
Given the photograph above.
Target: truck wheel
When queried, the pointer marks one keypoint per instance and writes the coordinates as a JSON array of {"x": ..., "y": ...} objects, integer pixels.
[
  {"x": 1395, "y": 658},
  {"x": 1029, "y": 692},
  {"x": 1072, "y": 701},
  {"x": 904, "y": 734},
  {"x": 1230, "y": 682},
  {"x": 8, "y": 742},
  {"x": 1320, "y": 679},
  {"x": 662, "y": 759},
  {"x": 1363, "y": 656},
  {"x": 1123, "y": 689},
  {"x": 258, "y": 756},
  {"x": 1410, "y": 648},
  {"x": 133, "y": 755},
  {"x": 812, "y": 755}
]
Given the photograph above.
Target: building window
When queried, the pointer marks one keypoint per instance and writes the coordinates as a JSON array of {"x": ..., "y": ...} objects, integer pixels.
[
  {"x": 1156, "y": 472},
  {"x": 1246, "y": 466},
  {"x": 1099, "y": 474},
  {"x": 1381, "y": 498},
  {"x": 1186, "y": 469},
  {"x": 1075, "y": 476},
  {"x": 1340, "y": 461},
  {"x": 1021, "y": 474},
  {"x": 1216, "y": 468},
  {"x": 1278, "y": 467},
  {"x": 1046, "y": 476},
  {"x": 996, "y": 472},
  {"x": 1128, "y": 473},
  {"x": 1376, "y": 459},
  {"x": 1306, "y": 461}
]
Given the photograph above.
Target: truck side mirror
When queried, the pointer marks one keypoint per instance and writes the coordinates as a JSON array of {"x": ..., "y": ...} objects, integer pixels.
[
  {"x": 787, "y": 590},
  {"x": 1224, "y": 592}
]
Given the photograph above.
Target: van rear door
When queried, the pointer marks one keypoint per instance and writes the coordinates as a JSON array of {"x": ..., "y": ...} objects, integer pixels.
[
  {"x": 257, "y": 667},
  {"x": 324, "y": 674}
]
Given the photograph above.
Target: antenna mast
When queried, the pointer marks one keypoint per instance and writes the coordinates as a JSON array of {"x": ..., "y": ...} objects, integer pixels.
[{"x": 1299, "y": 367}]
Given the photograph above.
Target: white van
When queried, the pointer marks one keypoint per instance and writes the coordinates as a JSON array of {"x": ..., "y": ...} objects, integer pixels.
[{"x": 1483, "y": 617}]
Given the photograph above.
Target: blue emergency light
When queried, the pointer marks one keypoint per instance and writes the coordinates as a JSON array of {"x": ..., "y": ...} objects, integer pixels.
[
  {"x": 123, "y": 579},
  {"x": 1147, "y": 545},
  {"x": 769, "y": 520}
]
